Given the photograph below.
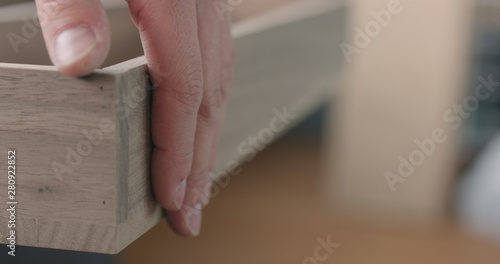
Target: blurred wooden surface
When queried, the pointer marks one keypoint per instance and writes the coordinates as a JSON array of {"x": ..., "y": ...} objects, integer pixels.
[{"x": 271, "y": 213}]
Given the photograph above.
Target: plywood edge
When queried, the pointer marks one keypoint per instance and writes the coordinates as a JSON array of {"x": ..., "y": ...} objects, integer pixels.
[
  {"x": 46, "y": 68},
  {"x": 124, "y": 67},
  {"x": 137, "y": 209}
]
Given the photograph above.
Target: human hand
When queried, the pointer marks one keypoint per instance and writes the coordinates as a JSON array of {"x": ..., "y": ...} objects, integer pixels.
[{"x": 190, "y": 57}]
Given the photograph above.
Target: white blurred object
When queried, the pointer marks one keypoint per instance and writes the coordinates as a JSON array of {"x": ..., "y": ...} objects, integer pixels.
[{"x": 479, "y": 194}]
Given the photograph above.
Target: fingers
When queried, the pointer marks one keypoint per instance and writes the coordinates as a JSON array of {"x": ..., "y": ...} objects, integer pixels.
[
  {"x": 187, "y": 221},
  {"x": 169, "y": 33},
  {"x": 184, "y": 54},
  {"x": 76, "y": 33}
]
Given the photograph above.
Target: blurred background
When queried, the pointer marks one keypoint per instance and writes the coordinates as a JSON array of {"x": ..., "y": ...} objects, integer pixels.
[{"x": 403, "y": 166}]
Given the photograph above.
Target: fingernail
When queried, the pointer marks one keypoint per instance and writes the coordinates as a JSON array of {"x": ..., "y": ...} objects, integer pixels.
[
  {"x": 73, "y": 44},
  {"x": 193, "y": 220},
  {"x": 179, "y": 194}
]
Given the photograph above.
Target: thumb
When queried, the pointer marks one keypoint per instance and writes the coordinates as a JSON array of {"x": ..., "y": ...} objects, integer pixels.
[{"x": 76, "y": 33}]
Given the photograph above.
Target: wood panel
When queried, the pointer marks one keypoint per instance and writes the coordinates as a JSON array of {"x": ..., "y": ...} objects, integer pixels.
[{"x": 44, "y": 118}]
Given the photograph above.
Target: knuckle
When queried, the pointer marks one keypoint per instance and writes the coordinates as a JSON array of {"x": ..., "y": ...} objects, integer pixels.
[
  {"x": 53, "y": 9},
  {"x": 210, "y": 107},
  {"x": 190, "y": 94},
  {"x": 182, "y": 157}
]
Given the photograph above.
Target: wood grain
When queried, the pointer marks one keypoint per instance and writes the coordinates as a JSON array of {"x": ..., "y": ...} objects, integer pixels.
[
  {"x": 43, "y": 114},
  {"x": 105, "y": 202}
]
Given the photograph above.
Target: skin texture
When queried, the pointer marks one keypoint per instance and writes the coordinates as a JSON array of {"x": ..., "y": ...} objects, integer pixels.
[{"x": 190, "y": 56}]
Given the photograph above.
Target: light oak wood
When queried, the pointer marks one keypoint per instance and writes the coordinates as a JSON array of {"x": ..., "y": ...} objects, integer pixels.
[{"x": 105, "y": 202}]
